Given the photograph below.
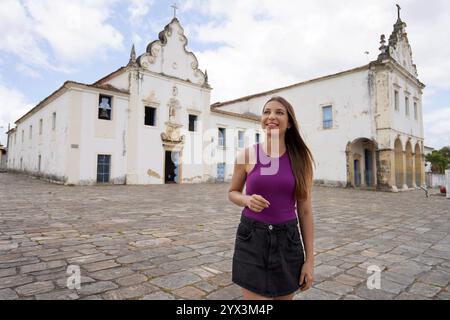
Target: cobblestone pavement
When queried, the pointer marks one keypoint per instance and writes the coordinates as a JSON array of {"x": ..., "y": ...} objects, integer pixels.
[{"x": 176, "y": 242}]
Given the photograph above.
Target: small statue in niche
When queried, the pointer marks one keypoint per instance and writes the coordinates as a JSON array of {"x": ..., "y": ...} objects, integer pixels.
[
  {"x": 172, "y": 113},
  {"x": 173, "y": 105}
]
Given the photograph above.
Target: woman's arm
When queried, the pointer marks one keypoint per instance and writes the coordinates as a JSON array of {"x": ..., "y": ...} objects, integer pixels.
[
  {"x": 254, "y": 202},
  {"x": 304, "y": 211},
  {"x": 238, "y": 181}
]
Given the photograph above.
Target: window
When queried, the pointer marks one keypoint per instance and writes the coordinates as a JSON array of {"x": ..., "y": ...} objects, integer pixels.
[
  {"x": 23, "y": 135},
  {"x": 415, "y": 110},
  {"x": 15, "y": 138},
  {"x": 150, "y": 116},
  {"x": 396, "y": 101},
  {"x": 21, "y": 163},
  {"x": 222, "y": 137},
  {"x": 193, "y": 122},
  {"x": 407, "y": 106},
  {"x": 241, "y": 139},
  {"x": 327, "y": 117},
  {"x": 103, "y": 168},
  {"x": 39, "y": 163},
  {"x": 53, "y": 120},
  {"x": 257, "y": 137},
  {"x": 31, "y": 132},
  {"x": 104, "y": 107},
  {"x": 40, "y": 126}
]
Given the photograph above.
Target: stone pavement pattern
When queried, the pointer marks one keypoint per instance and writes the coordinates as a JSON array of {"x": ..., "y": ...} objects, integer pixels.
[{"x": 176, "y": 242}]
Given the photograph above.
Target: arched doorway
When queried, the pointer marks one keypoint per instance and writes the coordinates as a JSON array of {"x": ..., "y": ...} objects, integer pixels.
[
  {"x": 409, "y": 165},
  {"x": 398, "y": 150},
  {"x": 361, "y": 163},
  {"x": 418, "y": 165}
]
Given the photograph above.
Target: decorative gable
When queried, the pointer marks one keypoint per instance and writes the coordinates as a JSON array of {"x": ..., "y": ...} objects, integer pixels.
[
  {"x": 168, "y": 56},
  {"x": 398, "y": 47}
]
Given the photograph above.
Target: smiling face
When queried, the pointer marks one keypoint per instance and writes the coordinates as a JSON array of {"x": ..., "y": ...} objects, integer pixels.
[{"x": 275, "y": 117}]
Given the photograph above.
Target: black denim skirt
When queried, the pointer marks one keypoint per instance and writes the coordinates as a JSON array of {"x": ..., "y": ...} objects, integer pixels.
[{"x": 268, "y": 258}]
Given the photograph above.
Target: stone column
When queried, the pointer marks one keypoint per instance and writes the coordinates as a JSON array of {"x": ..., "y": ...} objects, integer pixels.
[
  {"x": 385, "y": 169},
  {"x": 349, "y": 158},
  {"x": 413, "y": 156},
  {"x": 404, "y": 186}
]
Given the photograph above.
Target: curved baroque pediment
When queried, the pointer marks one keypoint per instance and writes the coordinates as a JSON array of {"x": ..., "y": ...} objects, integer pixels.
[
  {"x": 169, "y": 56},
  {"x": 400, "y": 49}
]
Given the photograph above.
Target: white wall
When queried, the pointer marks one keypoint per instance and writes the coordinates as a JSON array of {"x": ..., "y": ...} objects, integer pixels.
[
  {"x": 228, "y": 154},
  {"x": 400, "y": 121},
  {"x": 102, "y": 137},
  {"x": 120, "y": 81},
  {"x": 50, "y": 144},
  {"x": 193, "y": 99},
  {"x": 403, "y": 126}
]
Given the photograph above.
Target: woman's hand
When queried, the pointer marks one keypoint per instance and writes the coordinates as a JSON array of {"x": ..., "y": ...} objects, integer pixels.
[
  {"x": 256, "y": 203},
  {"x": 306, "y": 276}
]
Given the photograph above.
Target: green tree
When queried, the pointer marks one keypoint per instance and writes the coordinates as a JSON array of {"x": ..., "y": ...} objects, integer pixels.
[
  {"x": 445, "y": 151},
  {"x": 439, "y": 161}
]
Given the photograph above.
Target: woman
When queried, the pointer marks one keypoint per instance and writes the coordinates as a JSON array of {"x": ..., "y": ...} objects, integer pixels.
[{"x": 268, "y": 261}]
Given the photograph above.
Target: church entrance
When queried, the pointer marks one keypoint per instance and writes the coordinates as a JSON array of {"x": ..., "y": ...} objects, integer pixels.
[
  {"x": 361, "y": 168},
  {"x": 171, "y": 173}
]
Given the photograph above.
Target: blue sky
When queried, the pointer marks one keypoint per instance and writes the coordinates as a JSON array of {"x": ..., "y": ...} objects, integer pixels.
[{"x": 247, "y": 46}]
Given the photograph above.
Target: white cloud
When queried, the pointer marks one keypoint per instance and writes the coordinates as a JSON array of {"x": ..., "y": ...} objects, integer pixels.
[
  {"x": 77, "y": 31},
  {"x": 265, "y": 44},
  {"x": 17, "y": 35},
  {"x": 437, "y": 128},
  {"x": 24, "y": 69},
  {"x": 74, "y": 32},
  {"x": 138, "y": 9},
  {"x": 137, "y": 40},
  {"x": 13, "y": 105}
]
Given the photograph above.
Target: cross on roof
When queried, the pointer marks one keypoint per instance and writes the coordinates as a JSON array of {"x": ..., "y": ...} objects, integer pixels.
[{"x": 174, "y": 6}]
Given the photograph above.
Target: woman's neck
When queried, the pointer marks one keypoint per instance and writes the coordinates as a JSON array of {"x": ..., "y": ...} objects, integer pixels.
[{"x": 270, "y": 146}]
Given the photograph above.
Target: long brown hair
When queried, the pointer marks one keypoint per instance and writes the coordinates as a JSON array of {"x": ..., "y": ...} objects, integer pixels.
[{"x": 301, "y": 157}]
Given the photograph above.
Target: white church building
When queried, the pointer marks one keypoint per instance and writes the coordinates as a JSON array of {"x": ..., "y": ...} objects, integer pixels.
[{"x": 152, "y": 122}]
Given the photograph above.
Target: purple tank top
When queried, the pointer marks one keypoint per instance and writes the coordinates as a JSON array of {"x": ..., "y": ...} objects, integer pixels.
[{"x": 272, "y": 178}]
